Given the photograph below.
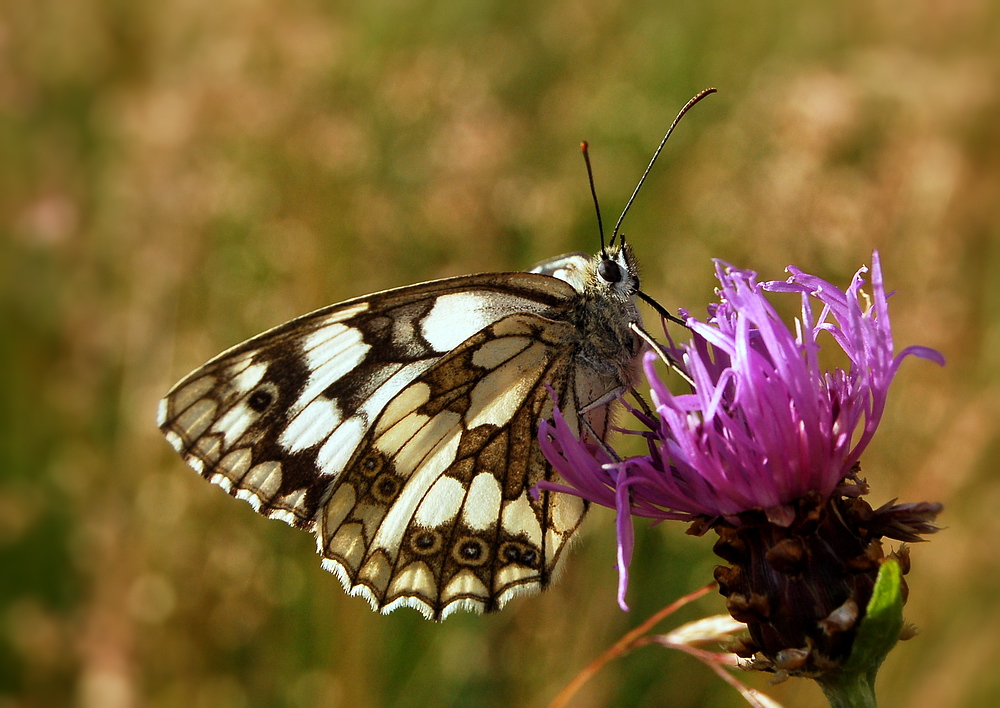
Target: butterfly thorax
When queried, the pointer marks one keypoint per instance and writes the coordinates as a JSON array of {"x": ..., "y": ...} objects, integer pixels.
[{"x": 604, "y": 310}]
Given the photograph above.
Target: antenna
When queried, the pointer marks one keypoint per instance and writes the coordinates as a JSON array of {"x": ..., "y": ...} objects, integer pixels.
[
  {"x": 690, "y": 104},
  {"x": 585, "y": 149}
]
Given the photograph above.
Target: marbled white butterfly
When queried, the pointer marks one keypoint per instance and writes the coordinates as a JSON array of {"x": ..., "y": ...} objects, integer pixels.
[{"x": 400, "y": 427}]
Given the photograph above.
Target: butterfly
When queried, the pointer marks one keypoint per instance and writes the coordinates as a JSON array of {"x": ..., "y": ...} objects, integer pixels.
[{"x": 400, "y": 427}]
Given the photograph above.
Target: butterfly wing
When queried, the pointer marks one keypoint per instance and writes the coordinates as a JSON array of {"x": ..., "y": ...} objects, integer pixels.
[
  {"x": 435, "y": 509},
  {"x": 400, "y": 427}
]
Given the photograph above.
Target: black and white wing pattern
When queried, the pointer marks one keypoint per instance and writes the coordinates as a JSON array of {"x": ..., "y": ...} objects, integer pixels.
[{"x": 401, "y": 427}]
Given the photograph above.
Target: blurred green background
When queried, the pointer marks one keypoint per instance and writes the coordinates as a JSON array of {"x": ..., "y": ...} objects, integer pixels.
[{"x": 176, "y": 176}]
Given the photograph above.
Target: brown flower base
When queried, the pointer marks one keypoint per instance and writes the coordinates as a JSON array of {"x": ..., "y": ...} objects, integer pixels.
[{"x": 801, "y": 575}]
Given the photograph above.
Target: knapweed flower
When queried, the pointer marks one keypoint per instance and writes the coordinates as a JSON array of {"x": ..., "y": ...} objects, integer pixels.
[{"x": 765, "y": 450}]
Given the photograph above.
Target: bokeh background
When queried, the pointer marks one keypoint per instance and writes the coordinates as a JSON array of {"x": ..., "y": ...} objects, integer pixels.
[{"x": 176, "y": 176}]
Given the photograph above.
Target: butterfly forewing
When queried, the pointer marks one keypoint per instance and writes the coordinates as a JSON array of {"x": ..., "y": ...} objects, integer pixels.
[{"x": 400, "y": 428}]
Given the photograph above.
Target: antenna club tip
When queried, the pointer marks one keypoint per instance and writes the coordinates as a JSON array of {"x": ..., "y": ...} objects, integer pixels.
[{"x": 584, "y": 146}]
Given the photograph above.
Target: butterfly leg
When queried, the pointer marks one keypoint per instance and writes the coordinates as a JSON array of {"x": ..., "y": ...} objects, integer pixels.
[
  {"x": 643, "y": 404},
  {"x": 604, "y": 400},
  {"x": 662, "y": 352},
  {"x": 644, "y": 414}
]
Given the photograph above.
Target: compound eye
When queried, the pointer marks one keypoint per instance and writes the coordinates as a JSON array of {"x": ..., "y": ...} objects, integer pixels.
[{"x": 610, "y": 271}]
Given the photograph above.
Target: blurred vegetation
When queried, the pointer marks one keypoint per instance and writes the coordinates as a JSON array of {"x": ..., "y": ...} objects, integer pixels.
[{"x": 176, "y": 176}]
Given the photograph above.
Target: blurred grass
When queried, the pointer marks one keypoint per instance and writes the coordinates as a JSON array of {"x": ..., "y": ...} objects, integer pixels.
[{"x": 177, "y": 176}]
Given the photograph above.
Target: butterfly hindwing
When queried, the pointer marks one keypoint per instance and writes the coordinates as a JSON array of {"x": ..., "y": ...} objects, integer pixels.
[{"x": 435, "y": 510}]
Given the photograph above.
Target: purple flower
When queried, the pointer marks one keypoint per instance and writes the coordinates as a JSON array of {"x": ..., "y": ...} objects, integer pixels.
[{"x": 764, "y": 425}]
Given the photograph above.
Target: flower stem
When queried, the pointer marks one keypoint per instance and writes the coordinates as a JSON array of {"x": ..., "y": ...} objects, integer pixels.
[{"x": 849, "y": 691}]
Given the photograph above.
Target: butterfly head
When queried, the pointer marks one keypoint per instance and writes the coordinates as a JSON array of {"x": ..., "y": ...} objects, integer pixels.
[{"x": 615, "y": 271}]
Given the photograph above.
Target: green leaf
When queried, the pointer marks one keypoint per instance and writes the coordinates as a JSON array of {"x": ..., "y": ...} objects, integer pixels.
[{"x": 853, "y": 684}]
